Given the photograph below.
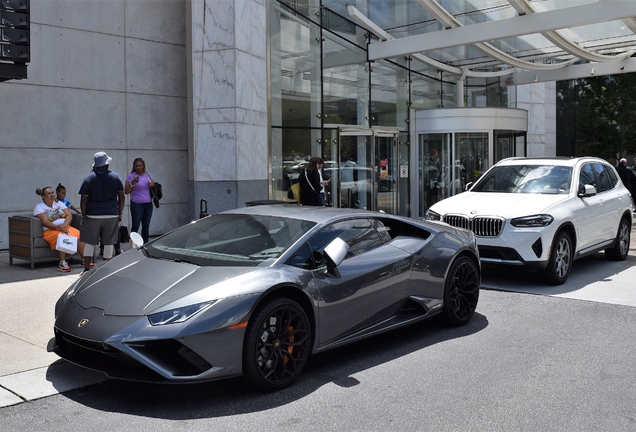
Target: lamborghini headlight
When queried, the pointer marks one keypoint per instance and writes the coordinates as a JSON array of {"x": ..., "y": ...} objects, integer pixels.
[{"x": 178, "y": 315}]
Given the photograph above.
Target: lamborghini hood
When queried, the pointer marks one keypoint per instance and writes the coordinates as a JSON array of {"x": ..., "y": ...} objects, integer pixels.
[{"x": 133, "y": 284}]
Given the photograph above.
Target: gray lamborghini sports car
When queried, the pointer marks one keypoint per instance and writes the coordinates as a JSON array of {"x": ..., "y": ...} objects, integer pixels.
[{"x": 254, "y": 291}]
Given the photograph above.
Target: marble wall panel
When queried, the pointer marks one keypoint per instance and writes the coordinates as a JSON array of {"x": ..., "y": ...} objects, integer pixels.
[
  {"x": 251, "y": 143},
  {"x": 105, "y": 17},
  {"x": 156, "y": 20},
  {"x": 214, "y": 82},
  {"x": 250, "y": 18},
  {"x": 156, "y": 122},
  {"x": 215, "y": 152},
  {"x": 155, "y": 68},
  {"x": 213, "y": 24},
  {"x": 214, "y": 115},
  {"x": 246, "y": 84}
]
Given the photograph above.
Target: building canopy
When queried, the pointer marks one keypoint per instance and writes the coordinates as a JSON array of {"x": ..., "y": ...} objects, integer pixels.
[{"x": 519, "y": 41}]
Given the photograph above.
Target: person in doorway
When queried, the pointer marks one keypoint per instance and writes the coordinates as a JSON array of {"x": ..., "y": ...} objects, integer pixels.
[
  {"x": 312, "y": 184},
  {"x": 102, "y": 205},
  {"x": 138, "y": 184},
  {"x": 56, "y": 219},
  {"x": 60, "y": 192}
]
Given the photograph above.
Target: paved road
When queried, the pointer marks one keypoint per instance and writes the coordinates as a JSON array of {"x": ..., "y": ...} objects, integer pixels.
[{"x": 518, "y": 365}]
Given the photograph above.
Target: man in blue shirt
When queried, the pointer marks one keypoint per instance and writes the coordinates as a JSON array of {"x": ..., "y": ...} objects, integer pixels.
[{"x": 102, "y": 205}]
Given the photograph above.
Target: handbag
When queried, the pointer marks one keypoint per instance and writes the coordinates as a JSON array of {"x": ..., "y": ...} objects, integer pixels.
[
  {"x": 66, "y": 243},
  {"x": 124, "y": 237},
  {"x": 157, "y": 193},
  {"x": 295, "y": 190}
]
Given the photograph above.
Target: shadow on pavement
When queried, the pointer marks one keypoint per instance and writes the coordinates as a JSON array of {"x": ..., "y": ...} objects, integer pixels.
[
  {"x": 585, "y": 271},
  {"x": 231, "y": 397}
]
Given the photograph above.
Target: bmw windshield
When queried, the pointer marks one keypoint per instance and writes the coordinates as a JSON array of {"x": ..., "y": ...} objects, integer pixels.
[
  {"x": 538, "y": 179},
  {"x": 230, "y": 240}
]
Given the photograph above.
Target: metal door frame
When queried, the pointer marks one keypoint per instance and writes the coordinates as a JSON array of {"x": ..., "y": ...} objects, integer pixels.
[{"x": 373, "y": 132}]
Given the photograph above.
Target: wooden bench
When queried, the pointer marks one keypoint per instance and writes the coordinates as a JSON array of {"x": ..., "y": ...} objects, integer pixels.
[{"x": 26, "y": 242}]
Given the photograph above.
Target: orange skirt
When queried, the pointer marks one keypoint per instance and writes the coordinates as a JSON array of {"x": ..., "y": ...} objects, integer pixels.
[{"x": 50, "y": 235}]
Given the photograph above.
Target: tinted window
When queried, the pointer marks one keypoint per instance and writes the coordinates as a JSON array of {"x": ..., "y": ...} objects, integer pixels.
[
  {"x": 230, "y": 240},
  {"x": 587, "y": 176},
  {"x": 605, "y": 179}
]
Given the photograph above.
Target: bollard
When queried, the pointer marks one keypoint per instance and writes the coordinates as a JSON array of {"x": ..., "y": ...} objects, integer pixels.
[{"x": 203, "y": 209}]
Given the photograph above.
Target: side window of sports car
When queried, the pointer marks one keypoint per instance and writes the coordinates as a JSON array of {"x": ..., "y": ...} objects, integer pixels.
[
  {"x": 359, "y": 234},
  {"x": 302, "y": 259}
]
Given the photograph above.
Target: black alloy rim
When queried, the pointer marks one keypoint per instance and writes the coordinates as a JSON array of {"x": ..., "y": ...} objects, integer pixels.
[
  {"x": 465, "y": 290},
  {"x": 282, "y": 346}
]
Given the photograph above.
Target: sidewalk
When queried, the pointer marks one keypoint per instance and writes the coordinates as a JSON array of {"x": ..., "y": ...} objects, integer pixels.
[{"x": 28, "y": 297}]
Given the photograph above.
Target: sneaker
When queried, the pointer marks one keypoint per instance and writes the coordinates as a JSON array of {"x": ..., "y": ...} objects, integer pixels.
[
  {"x": 92, "y": 264},
  {"x": 63, "y": 267}
]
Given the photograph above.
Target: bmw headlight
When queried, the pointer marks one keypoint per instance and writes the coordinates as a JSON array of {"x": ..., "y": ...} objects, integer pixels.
[
  {"x": 541, "y": 220},
  {"x": 431, "y": 215},
  {"x": 178, "y": 315}
]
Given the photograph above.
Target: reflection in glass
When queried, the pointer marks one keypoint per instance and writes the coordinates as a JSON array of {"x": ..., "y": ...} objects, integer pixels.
[
  {"x": 346, "y": 81},
  {"x": 434, "y": 169},
  {"x": 471, "y": 158}
]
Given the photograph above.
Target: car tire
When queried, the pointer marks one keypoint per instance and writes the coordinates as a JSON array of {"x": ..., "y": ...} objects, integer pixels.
[
  {"x": 560, "y": 262},
  {"x": 461, "y": 291},
  {"x": 621, "y": 245},
  {"x": 275, "y": 354}
]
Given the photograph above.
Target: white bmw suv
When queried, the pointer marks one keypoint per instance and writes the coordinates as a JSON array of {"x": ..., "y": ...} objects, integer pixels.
[{"x": 543, "y": 213}]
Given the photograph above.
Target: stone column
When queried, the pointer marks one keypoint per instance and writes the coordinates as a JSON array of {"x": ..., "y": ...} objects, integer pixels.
[{"x": 227, "y": 103}]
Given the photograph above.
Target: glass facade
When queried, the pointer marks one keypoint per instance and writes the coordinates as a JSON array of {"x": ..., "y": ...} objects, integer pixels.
[{"x": 321, "y": 86}]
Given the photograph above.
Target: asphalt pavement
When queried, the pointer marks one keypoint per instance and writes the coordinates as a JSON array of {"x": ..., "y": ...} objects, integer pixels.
[{"x": 27, "y": 301}]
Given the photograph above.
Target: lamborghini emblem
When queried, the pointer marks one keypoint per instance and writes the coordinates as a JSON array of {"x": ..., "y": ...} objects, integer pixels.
[{"x": 83, "y": 322}]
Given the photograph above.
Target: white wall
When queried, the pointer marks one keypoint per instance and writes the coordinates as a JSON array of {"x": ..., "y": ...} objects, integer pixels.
[{"x": 104, "y": 75}]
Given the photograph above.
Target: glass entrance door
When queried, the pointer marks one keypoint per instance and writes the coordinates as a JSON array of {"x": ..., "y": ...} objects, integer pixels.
[
  {"x": 362, "y": 169},
  {"x": 435, "y": 169},
  {"x": 386, "y": 174},
  {"x": 355, "y": 169}
]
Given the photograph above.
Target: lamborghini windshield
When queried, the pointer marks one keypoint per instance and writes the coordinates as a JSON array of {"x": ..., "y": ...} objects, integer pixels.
[
  {"x": 230, "y": 240},
  {"x": 538, "y": 179}
]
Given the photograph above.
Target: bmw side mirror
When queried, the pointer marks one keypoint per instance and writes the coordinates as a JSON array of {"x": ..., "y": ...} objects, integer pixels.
[
  {"x": 468, "y": 186},
  {"x": 586, "y": 191}
]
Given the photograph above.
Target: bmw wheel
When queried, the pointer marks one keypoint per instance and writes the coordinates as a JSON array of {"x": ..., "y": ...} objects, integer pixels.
[
  {"x": 277, "y": 344},
  {"x": 560, "y": 262},
  {"x": 621, "y": 245},
  {"x": 461, "y": 291}
]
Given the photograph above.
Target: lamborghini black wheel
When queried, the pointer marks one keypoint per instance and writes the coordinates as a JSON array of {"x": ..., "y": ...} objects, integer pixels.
[
  {"x": 461, "y": 291},
  {"x": 277, "y": 344}
]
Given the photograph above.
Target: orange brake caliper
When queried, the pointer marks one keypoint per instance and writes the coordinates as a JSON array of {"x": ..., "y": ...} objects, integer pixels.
[{"x": 290, "y": 348}]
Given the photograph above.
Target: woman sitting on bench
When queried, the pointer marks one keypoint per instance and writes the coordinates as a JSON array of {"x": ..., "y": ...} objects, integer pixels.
[{"x": 56, "y": 219}]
